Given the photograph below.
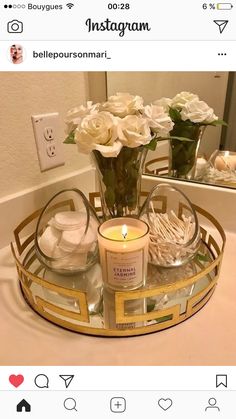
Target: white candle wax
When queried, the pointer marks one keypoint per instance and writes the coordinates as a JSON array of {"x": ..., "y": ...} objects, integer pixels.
[{"x": 124, "y": 256}]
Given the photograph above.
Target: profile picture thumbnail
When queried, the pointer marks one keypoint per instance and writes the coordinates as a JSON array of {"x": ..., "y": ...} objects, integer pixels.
[{"x": 16, "y": 54}]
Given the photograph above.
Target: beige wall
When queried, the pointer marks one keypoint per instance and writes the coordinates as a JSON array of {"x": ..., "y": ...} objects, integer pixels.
[{"x": 24, "y": 94}]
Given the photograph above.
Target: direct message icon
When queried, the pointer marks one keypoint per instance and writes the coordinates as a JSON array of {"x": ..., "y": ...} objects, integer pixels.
[
  {"x": 165, "y": 404},
  {"x": 67, "y": 379},
  {"x": 221, "y": 24}
]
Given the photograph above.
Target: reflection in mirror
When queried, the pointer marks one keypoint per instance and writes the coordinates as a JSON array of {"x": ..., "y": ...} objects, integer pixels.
[{"x": 210, "y": 156}]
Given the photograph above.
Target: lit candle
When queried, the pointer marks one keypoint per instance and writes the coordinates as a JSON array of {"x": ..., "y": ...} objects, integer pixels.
[{"x": 123, "y": 247}]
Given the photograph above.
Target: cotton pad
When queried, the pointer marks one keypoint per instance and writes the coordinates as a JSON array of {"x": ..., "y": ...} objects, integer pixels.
[
  {"x": 69, "y": 220},
  {"x": 75, "y": 241},
  {"x": 48, "y": 241}
]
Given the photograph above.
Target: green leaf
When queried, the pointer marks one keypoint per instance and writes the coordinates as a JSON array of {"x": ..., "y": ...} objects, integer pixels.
[
  {"x": 164, "y": 319},
  {"x": 181, "y": 139},
  {"x": 110, "y": 197},
  {"x": 70, "y": 139},
  {"x": 131, "y": 198},
  {"x": 109, "y": 178},
  {"x": 203, "y": 258},
  {"x": 183, "y": 155},
  {"x": 175, "y": 114},
  {"x": 219, "y": 122},
  {"x": 152, "y": 145},
  {"x": 158, "y": 139},
  {"x": 150, "y": 307},
  {"x": 134, "y": 174}
]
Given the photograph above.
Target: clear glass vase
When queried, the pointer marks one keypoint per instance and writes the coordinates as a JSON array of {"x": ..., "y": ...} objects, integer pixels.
[
  {"x": 183, "y": 153},
  {"x": 120, "y": 181}
]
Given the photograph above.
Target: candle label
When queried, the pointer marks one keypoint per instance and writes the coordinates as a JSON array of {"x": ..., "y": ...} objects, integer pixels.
[{"x": 125, "y": 269}]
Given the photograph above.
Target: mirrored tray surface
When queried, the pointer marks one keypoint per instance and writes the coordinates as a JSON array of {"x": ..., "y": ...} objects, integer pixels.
[{"x": 80, "y": 303}]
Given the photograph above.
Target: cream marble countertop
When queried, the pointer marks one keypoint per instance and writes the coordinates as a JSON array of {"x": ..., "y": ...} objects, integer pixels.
[{"x": 208, "y": 338}]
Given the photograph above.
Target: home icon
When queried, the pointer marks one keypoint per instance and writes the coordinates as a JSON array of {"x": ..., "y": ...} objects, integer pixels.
[{"x": 23, "y": 406}]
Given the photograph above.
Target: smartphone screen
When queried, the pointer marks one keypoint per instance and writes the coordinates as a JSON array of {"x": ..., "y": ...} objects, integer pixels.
[{"x": 117, "y": 209}]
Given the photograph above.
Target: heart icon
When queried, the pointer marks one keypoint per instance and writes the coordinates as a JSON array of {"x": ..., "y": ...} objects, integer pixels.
[
  {"x": 16, "y": 380},
  {"x": 165, "y": 404}
]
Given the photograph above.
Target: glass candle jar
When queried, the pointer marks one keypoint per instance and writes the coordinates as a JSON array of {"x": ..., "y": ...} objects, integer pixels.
[
  {"x": 123, "y": 246},
  {"x": 223, "y": 160}
]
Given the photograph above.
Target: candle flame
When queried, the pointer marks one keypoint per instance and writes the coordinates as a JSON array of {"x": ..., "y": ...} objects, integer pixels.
[{"x": 124, "y": 231}]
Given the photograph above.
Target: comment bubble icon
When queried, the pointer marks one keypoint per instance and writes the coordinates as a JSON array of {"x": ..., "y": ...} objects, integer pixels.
[{"x": 41, "y": 381}]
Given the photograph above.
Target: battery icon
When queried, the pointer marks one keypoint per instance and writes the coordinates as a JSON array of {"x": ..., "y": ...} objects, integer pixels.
[{"x": 224, "y": 6}]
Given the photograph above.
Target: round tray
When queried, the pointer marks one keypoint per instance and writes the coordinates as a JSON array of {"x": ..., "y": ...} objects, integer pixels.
[{"x": 169, "y": 297}]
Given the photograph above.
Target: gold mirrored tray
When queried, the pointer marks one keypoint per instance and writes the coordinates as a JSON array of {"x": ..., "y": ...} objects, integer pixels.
[{"x": 79, "y": 302}]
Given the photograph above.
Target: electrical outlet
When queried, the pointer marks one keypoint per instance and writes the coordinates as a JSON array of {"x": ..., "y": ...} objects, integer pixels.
[
  {"x": 51, "y": 150},
  {"x": 49, "y": 146},
  {"x": 48, "y": 133}
]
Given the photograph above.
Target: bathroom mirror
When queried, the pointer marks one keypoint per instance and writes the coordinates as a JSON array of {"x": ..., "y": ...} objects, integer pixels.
[{"x": 215, "y": 161}]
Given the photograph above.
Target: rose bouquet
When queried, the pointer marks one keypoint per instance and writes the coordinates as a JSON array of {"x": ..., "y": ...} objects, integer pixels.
[
  {"x": 190, "y": 117},
  {"x": 118, "y": 134}
]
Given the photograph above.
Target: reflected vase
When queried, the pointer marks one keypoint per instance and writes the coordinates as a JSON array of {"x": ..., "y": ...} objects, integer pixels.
[
  {"x": 183, "y": 153},
  {"x": 120, "y": 181}
]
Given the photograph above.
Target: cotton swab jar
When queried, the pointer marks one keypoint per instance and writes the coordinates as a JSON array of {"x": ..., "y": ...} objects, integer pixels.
[{"x": 174, "y": 228}]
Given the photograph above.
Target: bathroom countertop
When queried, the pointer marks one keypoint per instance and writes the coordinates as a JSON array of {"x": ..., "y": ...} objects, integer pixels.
[{"x": 208, "y": 338}]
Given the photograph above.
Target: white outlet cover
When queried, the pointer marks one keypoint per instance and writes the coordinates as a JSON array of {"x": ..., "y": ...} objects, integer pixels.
[{"x": 41, "y": 123}]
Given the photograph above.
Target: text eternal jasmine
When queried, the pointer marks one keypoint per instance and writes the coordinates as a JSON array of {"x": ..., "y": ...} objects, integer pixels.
[{"x": 121, "y": 27}]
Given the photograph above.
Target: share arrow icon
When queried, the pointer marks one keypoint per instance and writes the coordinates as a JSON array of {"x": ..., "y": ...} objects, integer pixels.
[
  {"x": 67, "y": 379},
  {"x": 221, "y": 24}
]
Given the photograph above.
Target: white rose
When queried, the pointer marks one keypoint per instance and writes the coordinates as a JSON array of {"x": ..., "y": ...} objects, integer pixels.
[
  {"x": 182, "y": 98},
  {"x": 110, "y": 150},
  {"x": 98, "y": 132},
  {"x": 123, "y": 104},
  {"x": 165, "y": 102},
  {"x": 198, "y": 111},
  {"x": 74, "y": 116},
  {"x": 133, "y": 131},
  {"x": 158, "y": 119}
]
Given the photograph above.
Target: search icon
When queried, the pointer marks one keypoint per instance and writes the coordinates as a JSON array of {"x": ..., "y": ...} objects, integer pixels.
[{"x": 70, "y": 404}]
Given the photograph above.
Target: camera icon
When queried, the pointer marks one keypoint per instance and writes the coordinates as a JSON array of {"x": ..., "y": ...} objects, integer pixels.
[{"x": 15, "y": 26}]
